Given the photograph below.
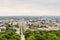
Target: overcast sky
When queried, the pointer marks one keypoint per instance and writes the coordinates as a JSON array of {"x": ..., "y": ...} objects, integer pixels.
[{"x": 29, "y": 7}]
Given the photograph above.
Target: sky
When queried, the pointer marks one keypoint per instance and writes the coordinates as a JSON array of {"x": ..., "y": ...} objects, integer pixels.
[{"x": 29, "y": 7}]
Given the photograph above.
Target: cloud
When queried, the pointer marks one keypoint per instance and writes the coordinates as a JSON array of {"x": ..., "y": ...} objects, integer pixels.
[{"x": 29, "y": 7}]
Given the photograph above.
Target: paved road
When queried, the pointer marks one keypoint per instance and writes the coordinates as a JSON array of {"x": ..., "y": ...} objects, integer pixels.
[
  {"x": 22, "y": 35},
  {"x": 21, "y": 30}
]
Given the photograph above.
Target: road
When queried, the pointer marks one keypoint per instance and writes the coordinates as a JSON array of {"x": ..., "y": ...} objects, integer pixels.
[
  {"x": 21, "y": 31},
  {"x": 22, "y": 35}
]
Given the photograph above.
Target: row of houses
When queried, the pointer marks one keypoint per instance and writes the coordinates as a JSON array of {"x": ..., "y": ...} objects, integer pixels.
[
  {"x": 4, "y": 22},
  {"x": 49, "y": 23}
]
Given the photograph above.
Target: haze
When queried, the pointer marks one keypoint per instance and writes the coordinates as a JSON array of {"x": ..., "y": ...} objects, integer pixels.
[{"x": 29, "y": 7}]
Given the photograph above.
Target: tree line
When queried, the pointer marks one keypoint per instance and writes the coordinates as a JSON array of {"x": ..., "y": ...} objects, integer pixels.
[{"x": 42, "y": 35}]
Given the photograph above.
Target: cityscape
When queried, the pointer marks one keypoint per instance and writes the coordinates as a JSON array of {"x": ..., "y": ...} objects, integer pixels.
[
  {"x": 25, "y": 27},
  {"x": 29, "y": 19}
]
